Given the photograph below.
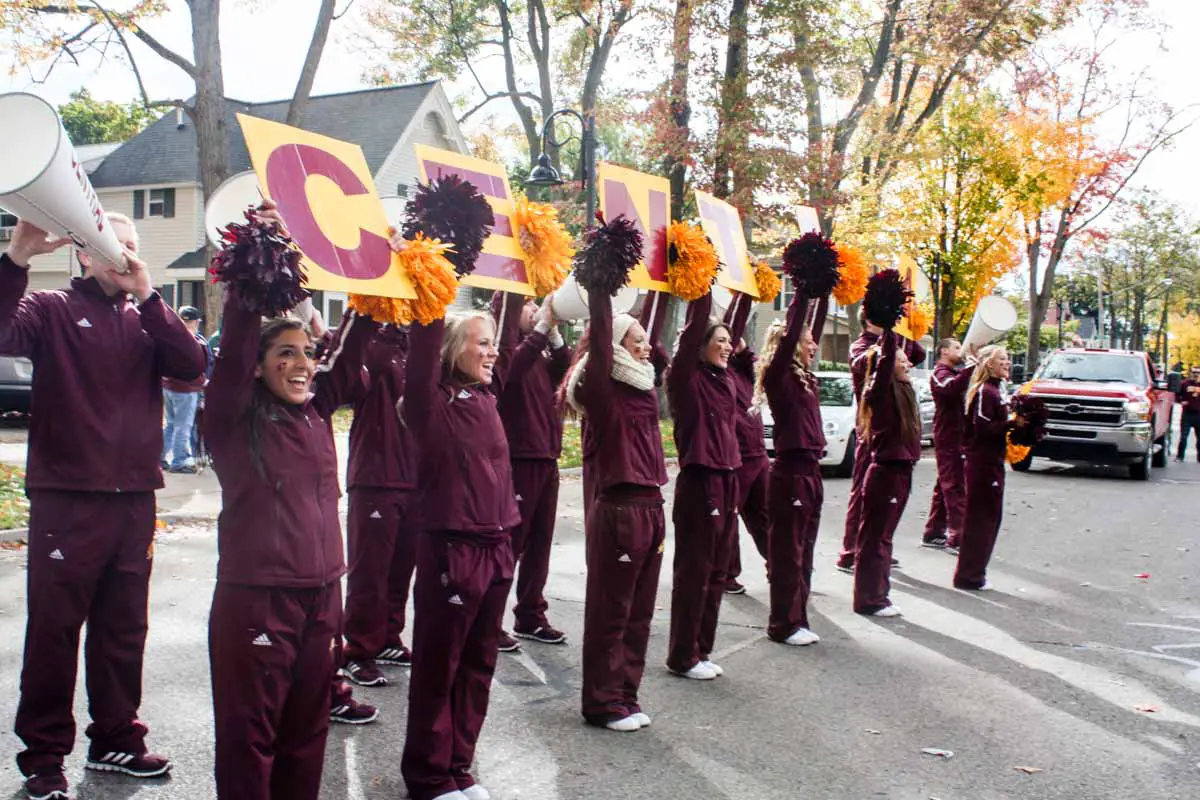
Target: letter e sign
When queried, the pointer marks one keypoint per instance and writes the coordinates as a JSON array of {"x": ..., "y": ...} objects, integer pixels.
[{"x": 645, "y": 199}]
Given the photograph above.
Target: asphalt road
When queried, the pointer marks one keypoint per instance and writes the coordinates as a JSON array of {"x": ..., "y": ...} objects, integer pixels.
[{"x": 1074, "y": 667}]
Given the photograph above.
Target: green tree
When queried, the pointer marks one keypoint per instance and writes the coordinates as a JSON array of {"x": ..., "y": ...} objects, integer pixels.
[{"x": 92, "y": 121}]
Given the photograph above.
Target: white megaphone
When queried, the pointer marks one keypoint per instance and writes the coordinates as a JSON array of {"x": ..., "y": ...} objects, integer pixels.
[
  {"x": 43, "y": 181},
  {"x": 570, "y": 301},
  {"x": 229, "y": 202},
  {"x": 994, "y": 317}
]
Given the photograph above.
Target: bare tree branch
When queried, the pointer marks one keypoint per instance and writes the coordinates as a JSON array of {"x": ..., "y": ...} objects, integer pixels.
[
  {"x": 312, "y": 60},
  {"x": 344, "y": 11}
]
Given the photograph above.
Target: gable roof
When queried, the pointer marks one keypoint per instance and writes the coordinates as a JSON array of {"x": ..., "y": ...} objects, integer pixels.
[{"x": 374, "y": 119}]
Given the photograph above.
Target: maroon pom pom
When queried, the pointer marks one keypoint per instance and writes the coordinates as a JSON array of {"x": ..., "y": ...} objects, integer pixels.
[
  {"x": 260, "y": 267},
  {"x": 452, "y": 210},
  {"x": 610, "y": 251},
  {"x": 812, "y": 263},
  {"x": 1033, "y": 410},
  {"x": 886, "y": 298}
]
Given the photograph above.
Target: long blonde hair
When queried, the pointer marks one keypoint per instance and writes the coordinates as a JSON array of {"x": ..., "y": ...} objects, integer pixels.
[
  {"x": 982, "y": 372},
  {"x": 801, "y": 363},
  {"x": 454, "y": 340}
]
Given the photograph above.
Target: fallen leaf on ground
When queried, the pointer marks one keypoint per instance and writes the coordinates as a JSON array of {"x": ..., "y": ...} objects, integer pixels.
[
  {"x": 1149, "y": 709},
  {"x": 1142, "y": 575},
  {"x": 938, "y": 752},
  {"x": 1029, "y": 770}
]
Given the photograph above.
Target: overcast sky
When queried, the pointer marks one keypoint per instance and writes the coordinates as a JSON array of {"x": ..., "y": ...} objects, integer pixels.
[{"x": 263, "y": 44}]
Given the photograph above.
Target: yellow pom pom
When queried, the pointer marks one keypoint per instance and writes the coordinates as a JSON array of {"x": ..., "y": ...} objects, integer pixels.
[
  {"x": 1016, "y": 453},
  {"x": 852, "y": 269},
  {"x": 545, "y": 242},
  {"x": 433, "y": 277},
  {"x": 920, "y": 320},
  {"x": 692, "y": 262},
  {"x": 769, "y": 284},
  {"x": 380, "y": 309}
]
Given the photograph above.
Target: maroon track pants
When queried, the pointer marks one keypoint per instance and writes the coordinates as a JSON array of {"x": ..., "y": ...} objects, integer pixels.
[
  {"x": 753, "y": 509},
  {"x": 796, "y": 496},
  {"x": 90, "y": 555},
  {"x": 382, "y": 551},
  {"x": 271, "y": 653},
  {"x": 705, "y": 521},
  {"x": 535, "y": 482},
  {"x": 885, "y": 494},
  {"x": 949, "y": 497},
  {"x": 862, "y": 460},
  {"x": 459, "y": 599},
  {"x": 625, "y": 537},
  {"x": 981, "y": 526}
]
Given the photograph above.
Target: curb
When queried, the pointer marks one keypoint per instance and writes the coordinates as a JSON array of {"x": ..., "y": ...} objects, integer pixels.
[{"x": 14, "y": 535}]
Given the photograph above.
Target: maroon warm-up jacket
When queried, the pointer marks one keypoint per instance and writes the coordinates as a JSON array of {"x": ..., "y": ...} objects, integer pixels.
[
  {"x": 703, "y": 399},
  {"x": 382, "y": 451},
  {"x": 867, "y": 340},
  {"x": 528, "y": 378},
  {"x": 795, "y": 403},
  {"x": 887, "y": 440},
  {"x": 741, "y": 368},
  {"x": 279, "y": 523},
  {"x": 464, "y": 475},
  {"x": 622, "y": 442},
  {"x": 949, "y": 387},
  {"x": 98, "y": 365},
  {"x": 986, "y": 424}
]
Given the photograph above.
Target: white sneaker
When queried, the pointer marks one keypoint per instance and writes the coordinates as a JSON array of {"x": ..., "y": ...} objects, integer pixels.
[
  {"x": 801, "y": 637},
  {"x": 643, "y": 719},
  {"x": 696, "y": 673},
  {"x": 622, "y": 725},
  {"x": 887, "y": 611},
  {"x": 476, "y": 792},
  {"x": 455, "y": 795},
  {"x": 714, "y": 667},
  {"x": 987, "y": 586}
]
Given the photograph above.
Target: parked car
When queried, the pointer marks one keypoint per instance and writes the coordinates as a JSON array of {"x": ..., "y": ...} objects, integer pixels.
[
  {"x": 16, "y": 384},
  {"x": 839, "y": 413},
  {"x": 1107, "y": 407},
  {"x": 925, "y": 401}
]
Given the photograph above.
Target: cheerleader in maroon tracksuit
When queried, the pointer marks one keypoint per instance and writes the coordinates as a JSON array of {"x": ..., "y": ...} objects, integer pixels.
[
  {"x": 611, "y": 385},
  {"x": 752, "y": 476},
  {"x": 277, "y": 606},
  {"x": 986, "y": 428},
  {"x": 464, "y": 556},
  {"x": 795, "y": 491},
  {"x": 704, "y": 404},
  {"x": 890, "y": 421}
]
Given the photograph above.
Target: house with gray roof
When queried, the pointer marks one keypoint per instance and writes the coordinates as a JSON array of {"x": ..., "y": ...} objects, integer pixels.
[{"x": 154, "y": 178}]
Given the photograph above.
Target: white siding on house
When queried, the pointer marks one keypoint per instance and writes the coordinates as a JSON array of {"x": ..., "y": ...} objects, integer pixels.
[{"x": 161, "y": 240}]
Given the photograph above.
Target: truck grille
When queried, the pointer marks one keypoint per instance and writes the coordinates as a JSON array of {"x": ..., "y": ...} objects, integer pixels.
[{"x": 1085, "y": 411}]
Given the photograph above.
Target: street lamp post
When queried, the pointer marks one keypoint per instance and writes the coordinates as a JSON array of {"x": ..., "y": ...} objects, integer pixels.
[{"x": 545, "y": 174}]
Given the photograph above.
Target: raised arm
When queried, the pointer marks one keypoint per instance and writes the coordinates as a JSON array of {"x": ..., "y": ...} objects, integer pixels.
[
  {"x": 22, "y": 319},
  {"x": 340, "y": 375},
  {"x": 781, "y": 361},
  {"x": 232, "y": 386},
  {"x": 508, "y": 335},
  {"x": 818, "y": 325},
  {"x": 654, "y": 314},
  {"x": 915, "y": 352},
  {"x": 176, "y": 351},
  {"x": 885, "y": 368},
  {"x": 737, "y": 315},
  {"x": 560, "y": 357},
  {"x": 691, "y": 341},
  {"x": 951, "y": 386},
  {"x": 422, "y": 374}
]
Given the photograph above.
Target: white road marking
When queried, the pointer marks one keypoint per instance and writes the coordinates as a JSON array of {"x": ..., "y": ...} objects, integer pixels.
[
  {"x": 354, "y": 788},
  {"x": 730, "y": 782},
  {"x": 528, "y": 663}
]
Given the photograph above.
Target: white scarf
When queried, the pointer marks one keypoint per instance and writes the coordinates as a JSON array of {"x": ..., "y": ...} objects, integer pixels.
[{"x": 625, "y": 368}]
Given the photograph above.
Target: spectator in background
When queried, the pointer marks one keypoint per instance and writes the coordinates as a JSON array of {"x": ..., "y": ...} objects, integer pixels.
[
  {"x": 180, "y": 399},
  {"x": 1189, "y": 398}
]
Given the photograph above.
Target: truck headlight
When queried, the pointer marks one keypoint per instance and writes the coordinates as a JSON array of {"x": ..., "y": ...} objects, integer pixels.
[{"x": 1137, "y": 410}]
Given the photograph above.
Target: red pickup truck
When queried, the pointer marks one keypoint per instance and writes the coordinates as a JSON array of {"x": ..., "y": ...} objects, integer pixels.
[{"x": 1107, "y": 407}]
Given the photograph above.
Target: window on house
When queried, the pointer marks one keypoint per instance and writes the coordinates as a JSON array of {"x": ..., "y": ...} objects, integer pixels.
[
  {"x": 161, "y": 203},
  {"x": 784, "y": 298},
  {"x": 7, "y": 223},
  {"x": 402, "y": 189}
]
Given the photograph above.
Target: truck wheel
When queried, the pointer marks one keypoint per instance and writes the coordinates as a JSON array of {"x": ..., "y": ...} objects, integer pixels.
[
  {"x": 1024, "y": 464},
  {"x": 1162, "y": 456},
  {"x": 1140, "y": 471}
]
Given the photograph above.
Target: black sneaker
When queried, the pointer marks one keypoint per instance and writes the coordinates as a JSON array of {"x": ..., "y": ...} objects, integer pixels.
[
  {"x": 895, "y": 563},
  {"x": 49, "y": 784},
  {"x": 365, "y": 673},
  {"x": 508, "y": 644},
  {"x": 186, "y": 469},
  {"x": 139, "y": 765},
  {"x": 937, "y": 542},
  {"x": 544, "y": 634},
  {"x": 398, "y": 656},
  {"x": 354, "y": 713},
  {"x": 734, "y": 587}
]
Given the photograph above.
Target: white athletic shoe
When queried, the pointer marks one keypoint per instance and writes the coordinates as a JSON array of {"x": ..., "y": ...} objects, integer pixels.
[
  {"x": 624, "y": 724},
  {"x": 714, "y": 667},
  {"x": 696, "y": 673},
  {"x": 801, "y": 637},
  {"x": 455, "y": 795},
  {"x": 887, "y": 611},
  {"x": 643, "y": 719},
  {"x": 987, "y": 587},
  {"x": 476, "y": 792}
]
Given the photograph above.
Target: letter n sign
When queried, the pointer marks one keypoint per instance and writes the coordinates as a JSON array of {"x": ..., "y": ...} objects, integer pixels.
[
  {"x": 327, "y": 199},
  {"x": 645, "y": 199},
  {"x": 723, "y": 224},
  {"x": 501, "y": 265}
]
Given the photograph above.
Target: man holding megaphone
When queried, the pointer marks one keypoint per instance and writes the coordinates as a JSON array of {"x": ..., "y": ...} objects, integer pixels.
[{"x": 100, "y": 350}]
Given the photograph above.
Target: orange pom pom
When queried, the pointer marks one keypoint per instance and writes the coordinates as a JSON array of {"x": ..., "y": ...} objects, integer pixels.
[
  {"x": 380, "y": 309},
  {"x": 852, "y": 269},
  {"x": 1015, "y": 453},
  {"x": 546, "y": 244},
  {"x": 769, "y": 284},
  {"x": 692, "y": 261},
  {"x": 433, "y": 277}
]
